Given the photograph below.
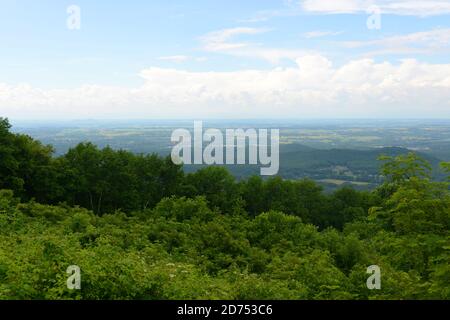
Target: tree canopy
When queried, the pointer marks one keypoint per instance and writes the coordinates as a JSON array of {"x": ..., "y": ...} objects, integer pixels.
[{"x": 140, "y": 228}]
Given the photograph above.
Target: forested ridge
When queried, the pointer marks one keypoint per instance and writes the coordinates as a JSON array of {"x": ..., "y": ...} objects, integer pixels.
[{"x": 141, "y": 228}]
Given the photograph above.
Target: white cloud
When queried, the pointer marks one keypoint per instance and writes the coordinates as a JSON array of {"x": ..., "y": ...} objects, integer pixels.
[
  {"x": 223, "y": 42},
  {"x": 217, "y": 41},
  {"x": 360, "y": 88},
  {"x": 433, "y": 41},
  {"x": 421, "y": 8},
  {"x": 176, "y": 58},
  {"x": 319, "y": 34},
  {"x": 201, "y": 59},
  {"x": 398, "y": 7}
]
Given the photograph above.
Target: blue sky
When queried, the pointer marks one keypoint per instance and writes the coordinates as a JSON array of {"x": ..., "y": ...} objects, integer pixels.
[{"x": 253, "y": 58}]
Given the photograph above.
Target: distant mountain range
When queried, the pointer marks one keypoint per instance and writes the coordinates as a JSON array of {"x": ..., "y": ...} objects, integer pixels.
[
  {"x": 333, "y": 153},
  {"x": 330, "y": 167}
]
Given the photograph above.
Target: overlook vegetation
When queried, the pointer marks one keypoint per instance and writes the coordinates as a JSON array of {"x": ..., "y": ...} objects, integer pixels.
[
  {"x": 141, "y": 228},
  {"x": 334, "y": 153}
]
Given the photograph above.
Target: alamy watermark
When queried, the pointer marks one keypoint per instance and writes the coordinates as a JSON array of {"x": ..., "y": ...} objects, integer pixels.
[
  {"x": 374, "y": 281},
  {"x": 263, "y": 149},
  {"x": 74, "y": 19},
  {"x": 374, "y": 20},
  {"x": 74, "y": 279}
]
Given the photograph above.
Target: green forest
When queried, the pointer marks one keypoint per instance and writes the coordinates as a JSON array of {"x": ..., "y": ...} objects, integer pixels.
[{"x": 139, "y": 227}]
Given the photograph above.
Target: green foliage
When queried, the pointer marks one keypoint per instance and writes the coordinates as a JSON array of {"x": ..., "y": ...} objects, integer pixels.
[
  {"x": 139, "y": 228},
  {"x": 107, "y": 180},
  {"x": 403, "y": 167},
  {"x": 26, "y": 164},
  {"x": 217, "y": 185},
  {"x": 181, "y": 209},
  {"x": 446, "y": 167}
]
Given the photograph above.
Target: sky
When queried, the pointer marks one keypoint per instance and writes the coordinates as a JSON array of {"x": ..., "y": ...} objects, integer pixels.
[{"x": 85, "y": 59}]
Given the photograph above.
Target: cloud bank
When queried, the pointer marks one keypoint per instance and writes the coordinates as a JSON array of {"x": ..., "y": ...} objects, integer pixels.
[
  {"x": 224, "y": 42},
  {"x": 425, "y": 42},
  {"x": 397, "y": 7},
  {"x": 314, "y": 88}
]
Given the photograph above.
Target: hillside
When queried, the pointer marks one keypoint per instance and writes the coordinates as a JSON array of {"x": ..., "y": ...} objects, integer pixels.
[
  {"x": 330, "y": 167},
  {"x": 138, "y": 227}
]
